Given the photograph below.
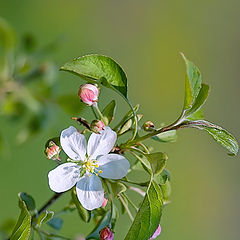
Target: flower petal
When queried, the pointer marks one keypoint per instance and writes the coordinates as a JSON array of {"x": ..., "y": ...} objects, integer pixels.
[
  {"x": 90, "y": 192},
  {"x": 73, "y": 143},
  {"x": 101, "y": 144},
  {"x": 64, "y": 177},
  {"x": 113, "y": 166}
]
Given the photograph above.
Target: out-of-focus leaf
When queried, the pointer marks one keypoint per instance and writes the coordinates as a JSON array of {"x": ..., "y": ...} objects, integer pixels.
[
  {"x": 148, "y": 216},
  {"x": 108, "y": 112},
  {"x": 101, "y": 224},
  {"x": 169, "y": 136},
  {"x": 166, "y": 191},
  {"x": 55, "y": 223},
  {"x": 157, "y": 161},
  {"x": 192, "y": 84},
  {"x": 219, "y": 134},
  {"x": 23, "y": 227},
  {"x": 118, "y": 188},
  {"x": 97, "y": 67},
  {"x": 83, "y": 213},
  {"x": 71, "y": 104},
  {"x": 29, "y": 201},
  {"x": 162, "y": 177},
  {"x": 7, "y": 35},
  {"x": 44, "y": 217}
]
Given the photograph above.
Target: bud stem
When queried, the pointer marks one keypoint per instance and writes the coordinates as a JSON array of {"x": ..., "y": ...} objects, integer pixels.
[{"x": 99, "y": 113}]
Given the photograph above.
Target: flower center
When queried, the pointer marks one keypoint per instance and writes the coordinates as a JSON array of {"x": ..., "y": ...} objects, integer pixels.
[{"x": 91, "y": 167}]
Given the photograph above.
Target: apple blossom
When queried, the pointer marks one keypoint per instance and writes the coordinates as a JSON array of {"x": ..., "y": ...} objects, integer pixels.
[{"x": 84, "y": 171}]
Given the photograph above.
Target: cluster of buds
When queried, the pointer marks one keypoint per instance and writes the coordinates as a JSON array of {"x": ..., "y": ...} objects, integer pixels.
[
  {"x": 53, "y": 151},
  {"x": 88, "y": 94},
  {"x": 97, "y": 126},
  {"x": 106, "y": 234}
]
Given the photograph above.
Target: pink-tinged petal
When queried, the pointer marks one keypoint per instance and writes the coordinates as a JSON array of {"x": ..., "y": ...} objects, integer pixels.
[
  {"x": 101, "y": 144},
  {"x": 64, "y": 177},
  {"x": 90, "y": 192},
  {"x": 88, "y": 93},
  {"x": 73, "y": 143},
  {"x": 113, "y": 166},
  {"x": 157, "y": 233}
]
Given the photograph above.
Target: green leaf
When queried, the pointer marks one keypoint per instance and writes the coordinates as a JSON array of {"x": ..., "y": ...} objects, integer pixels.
[
  {"x": 169, "y": 136},
  {"x": 126, "y": 126},
  {"x": 83, "y": 213},
  {"x": 7, "y": 35},
  {"x": 148, "y": 216},
  {"x": 118, "y": 188},
  {"x": 192, "y": 83},
  {"x": 115, "y": 215},
  {"x": 101, "y": 224},
  {"x": 196, "y": 116},
  {"x": 162, "y": 178},
  {"x": 158, "y": 161},
  {"x": 200, "y": 100},
  {"x": 97, "y": 67},
  {"x": 219, "y": 134},
  {"x": 71, "y": 104},
  {"x": 166, "y": 191},
  {"x": 29, "y": 201},
  {"x": 44, "y": 217},
  {"x": 23, "y": 227},
  {"x": 55, "y": 223},
  {"x": 108, "y": 112}
]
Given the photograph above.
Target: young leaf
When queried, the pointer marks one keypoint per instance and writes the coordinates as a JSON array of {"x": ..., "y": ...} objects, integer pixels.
[
  {"x": 44, "y": 217},
  {"x": 158, "y": 161},
  {"x": 148, "y": 216},
  {"x": 83, "y": 213},
  {"x": 219, "y": 134},
  {"x": 169, "y": 136},
  {"x": 118, "y": 188},
  {"x": 108, "y": 112},
  {"x": 196, "y": 116},
  {"x": 200, "y": 100},
  {"x": 126, "y": 126},
  {"x": 101, "y": 224},
  {"x": 166, "y": 191},
  {"x": 192, "y": 83},
  {"x": 97, "y": 67},
  {"x": 162, "y": 178},
  {"x": 23, "y": 227},
  {"x": 29, "y": 201}
]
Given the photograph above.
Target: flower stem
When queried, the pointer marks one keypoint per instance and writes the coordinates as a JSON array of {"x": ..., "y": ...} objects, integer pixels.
[
  {"x": 99, "y": 113},
  {"x": 126, "y": 207}
]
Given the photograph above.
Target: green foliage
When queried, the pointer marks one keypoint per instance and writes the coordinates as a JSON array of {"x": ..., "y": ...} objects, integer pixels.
[
  {"x": 108, "y": 112},
  {"x": 23, "y": 227},
  {"x": 99, "y": 69},
  {"x": 219, "y": 134},
  {"x": 44, "y": 217},
  {"x": 157, "y": 161},
  {"x": 83, "y": 213},
  {"x": 148, "y": 216},
  {"x": 165, "y": 137},
  {"x": 118, "y": 188},
  {"x": 56, "y": 223},
  {"x": 29, "y": 201}
]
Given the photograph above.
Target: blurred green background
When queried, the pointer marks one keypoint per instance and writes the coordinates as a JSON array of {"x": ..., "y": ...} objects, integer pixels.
[{"x": 145, "y": 37}]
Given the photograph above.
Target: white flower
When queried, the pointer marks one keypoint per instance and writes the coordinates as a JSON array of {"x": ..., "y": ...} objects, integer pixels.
[{"x": 84, "y": 171}]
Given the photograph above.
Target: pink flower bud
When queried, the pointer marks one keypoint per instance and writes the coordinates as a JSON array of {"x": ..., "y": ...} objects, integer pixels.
[
  {"x": 105, "y": 201},
  {"x": 157, "y": 233},
  {"x": 88, "y": 93},
  {"x": 97, "y": 126},
  {"x": 106, "y": 234},
  {"x": 53, "y": 151}
]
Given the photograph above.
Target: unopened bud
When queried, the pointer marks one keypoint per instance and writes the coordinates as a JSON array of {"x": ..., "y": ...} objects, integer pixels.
[
  {"x": 53, "y": 151},
  {"x": 157, "y": 233},
  {"x": 148, "y": 126},
  {"x": 106, "y": 234},
  {"x": 88, "y": 93},
  {"x": 105, "y": 201},
  {"x": 97, "y": 126}
]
